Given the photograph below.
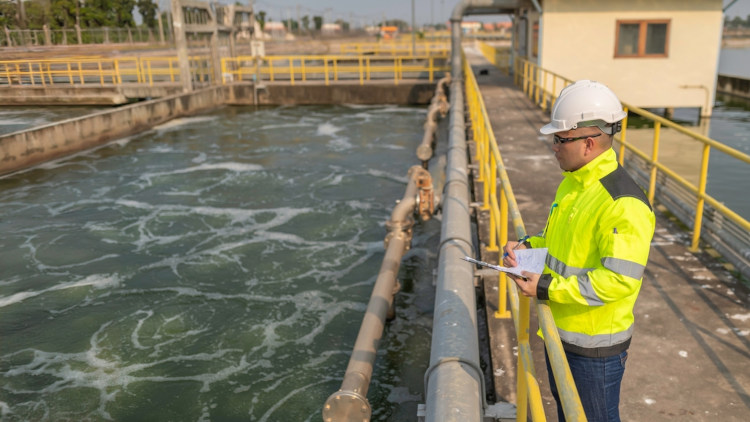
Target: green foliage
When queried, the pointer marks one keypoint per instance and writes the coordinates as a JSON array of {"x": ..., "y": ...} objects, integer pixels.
[
  {"x": 344, "y": 25},
  {"x": 63, "y": 14},
  {"x": 736, "y": 22},
  {"x": 306, "y": 22},
  {"x": 124, "y": 13},
  {"x": 261, "y": 18},
  {"x": 37, "y": 13},
  {"x": 148, "y": 10},
  {"x": 318, "y": 22},
  {"x": 8, "y": 14}
]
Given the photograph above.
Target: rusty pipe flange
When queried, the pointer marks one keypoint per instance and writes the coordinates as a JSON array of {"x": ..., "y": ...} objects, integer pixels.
[
  {"x": 425, "y": 197},
  {"x": 347, "y": 406},
  {"x": 399, "y": 228}
]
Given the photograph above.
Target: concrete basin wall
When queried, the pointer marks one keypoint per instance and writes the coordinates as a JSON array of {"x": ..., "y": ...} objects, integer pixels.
[{"x": 20, "y": 150}]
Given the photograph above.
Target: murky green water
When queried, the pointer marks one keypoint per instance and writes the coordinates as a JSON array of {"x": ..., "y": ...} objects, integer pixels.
[{"x": 216, "y": 268}]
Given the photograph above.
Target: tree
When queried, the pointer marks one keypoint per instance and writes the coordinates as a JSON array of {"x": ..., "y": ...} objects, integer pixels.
[
  {"x": 37, "y": 14},
  {"x": 8, "y": 12},
  {"x": 63, "y": 13},
  {"x": 318, "y": 22},
  {"x": 261, "y": 18},
  {"x": 96, "y": 13},
  {"x": 290, "y": 24},
  {"x": 124, "y": 13},
  {"x": 344, "y": 25},
  {"x": 306, "y": 23},
  {"x": 148, "y": 10}
]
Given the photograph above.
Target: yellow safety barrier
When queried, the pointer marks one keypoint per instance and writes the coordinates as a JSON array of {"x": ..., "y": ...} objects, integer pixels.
[
  {"x": 542, "y": 86},
  {"x": 491, "y": 170},
  {"x": 151, "y": 71},
  {"x": 403, "y": 47},
  {"x": 93, "y": 70},
  {"x": 330, "y": 69},
  {"x": 500, "y": 57}
]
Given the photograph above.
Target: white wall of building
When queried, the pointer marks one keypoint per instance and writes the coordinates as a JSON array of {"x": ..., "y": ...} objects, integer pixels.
[{"x": 578, "y": 42}]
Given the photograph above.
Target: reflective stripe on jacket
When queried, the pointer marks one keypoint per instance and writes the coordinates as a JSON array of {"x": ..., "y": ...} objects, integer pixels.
[{"x": 598, "y": 236}]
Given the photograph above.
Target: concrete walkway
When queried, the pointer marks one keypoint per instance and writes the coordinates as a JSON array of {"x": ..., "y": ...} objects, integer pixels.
[{"x": 690, "y": 355}]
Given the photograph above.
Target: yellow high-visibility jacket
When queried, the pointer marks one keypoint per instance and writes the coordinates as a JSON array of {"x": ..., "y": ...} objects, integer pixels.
[{"x": 598, "y": 236}]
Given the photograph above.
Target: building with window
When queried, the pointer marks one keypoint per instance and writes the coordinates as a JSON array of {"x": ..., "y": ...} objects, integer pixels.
[{"x": 661, "y": 53}]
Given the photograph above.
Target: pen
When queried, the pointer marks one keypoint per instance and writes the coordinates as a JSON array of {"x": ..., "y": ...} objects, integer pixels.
[{"x": 520, "y": 242}]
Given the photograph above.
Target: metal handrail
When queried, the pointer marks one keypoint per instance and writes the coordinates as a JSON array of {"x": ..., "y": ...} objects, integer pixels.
[
  {"x": 95, "y": 70},
  {"x": 331, "y": 68},
  {"x": 164, "y": 70},
  {"x": 492, "y": 173},
  {"x": 500, "y": 57},
  {"x": 396, "y": 47}
]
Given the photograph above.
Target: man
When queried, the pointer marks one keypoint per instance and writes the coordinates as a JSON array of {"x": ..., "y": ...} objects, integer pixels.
[{"x": 598, "y": 236}]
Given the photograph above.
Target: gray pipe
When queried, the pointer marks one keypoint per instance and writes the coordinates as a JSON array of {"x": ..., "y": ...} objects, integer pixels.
[
  {"x": 477, "y": 7},
  {"x": 454, "y": 381}
]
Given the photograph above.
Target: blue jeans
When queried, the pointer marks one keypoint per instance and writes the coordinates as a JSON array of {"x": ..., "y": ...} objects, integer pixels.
[{"x": 598, "y": 383}]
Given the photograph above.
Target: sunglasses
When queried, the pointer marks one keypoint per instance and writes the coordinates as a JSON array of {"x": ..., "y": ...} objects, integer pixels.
[{"x": 558, "y": 140}]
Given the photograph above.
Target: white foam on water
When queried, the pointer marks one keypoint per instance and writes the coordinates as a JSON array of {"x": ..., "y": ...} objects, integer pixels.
[
  {"x": 202, "y": 157},
  {"x": 227, "y": 166},
  {"x": 340, "y": 144},
  {"x": 161, "y": 148},
  {"x": 285, "y": 126},
  {"x": 388, "y": 146},
  {"x": 97, "y": 281},
  {"x": 393, "y": 109},
  {"x": 387, "y": 175},
  {"x": 182, "y": 121},
  {"x": 289, "y": 396},
  {"x": 328, "y": 129},
  {"x": 5, "y": 409}
]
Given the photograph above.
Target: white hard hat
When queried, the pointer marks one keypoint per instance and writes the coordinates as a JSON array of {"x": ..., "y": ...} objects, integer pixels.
[{"x": 582, "y": 104}]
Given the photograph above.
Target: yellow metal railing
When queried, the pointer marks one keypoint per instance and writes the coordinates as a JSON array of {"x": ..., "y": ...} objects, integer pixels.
[
  {"x": 93, "y": 70},
  {"x": 500, "y": 57},
  {"x": 500, "y": 205},
  {"x": 361, "y": 68},
  {"x": 541, "y": 86},
  {"x": 394, "y": 48},
  {"x": 87, "y": 71}
]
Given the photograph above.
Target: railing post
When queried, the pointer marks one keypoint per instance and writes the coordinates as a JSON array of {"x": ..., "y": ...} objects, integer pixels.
[
  {"x": 502, "y": 307},
  {"x": 654, "y": 160},
  {"x": 622, "y": 137},
  {"x": 701, "y": 199},
  {"x": 361, "y": 72}
]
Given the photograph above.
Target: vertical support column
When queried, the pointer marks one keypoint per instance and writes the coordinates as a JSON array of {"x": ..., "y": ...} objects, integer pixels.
[
  {"x": 47, "y": 35},
  {"x": 78, "y": 34},
  {"x": 181, "y": 44},
  {"x": 161, "y": 27},
  {"x": 215, "y": 56}
]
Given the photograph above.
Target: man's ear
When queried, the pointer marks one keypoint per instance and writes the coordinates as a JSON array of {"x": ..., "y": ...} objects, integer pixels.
[{"x": 590, "y": 144}]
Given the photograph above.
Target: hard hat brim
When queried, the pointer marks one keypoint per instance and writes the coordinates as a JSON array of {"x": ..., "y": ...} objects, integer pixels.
[{"x": 549, "y": 129}]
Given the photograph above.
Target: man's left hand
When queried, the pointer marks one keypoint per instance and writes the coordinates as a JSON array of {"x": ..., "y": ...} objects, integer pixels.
[{"x": 528, "y": 286}]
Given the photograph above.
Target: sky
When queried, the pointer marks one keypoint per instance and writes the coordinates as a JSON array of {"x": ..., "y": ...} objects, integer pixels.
[
  {"x": 740, "y": 8},
  {"x": 367, "y": 12},
  {"x": 360, "y": 11}
]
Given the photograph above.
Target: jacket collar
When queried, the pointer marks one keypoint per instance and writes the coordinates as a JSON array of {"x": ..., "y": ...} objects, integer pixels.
[{"x": 597, "y": 168}]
